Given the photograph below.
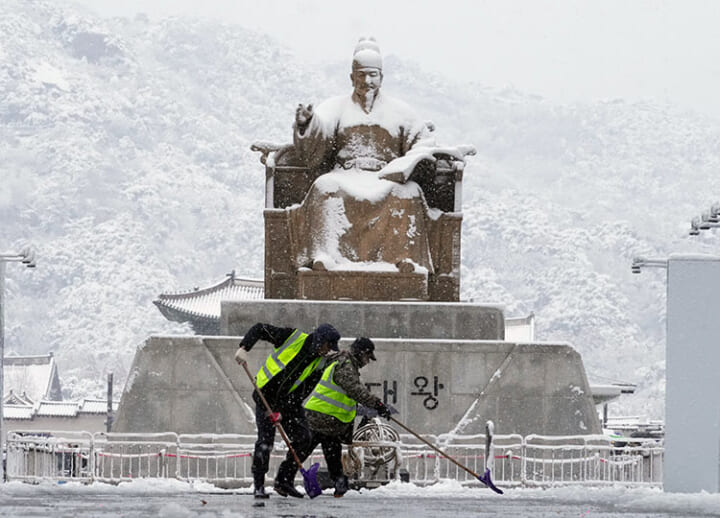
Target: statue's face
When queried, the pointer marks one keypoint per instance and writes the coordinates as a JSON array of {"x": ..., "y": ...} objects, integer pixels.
[{"x": 366, "y": 80}]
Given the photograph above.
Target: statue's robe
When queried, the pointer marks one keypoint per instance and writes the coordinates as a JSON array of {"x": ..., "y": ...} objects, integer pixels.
[{"x": 351, "y": 219}]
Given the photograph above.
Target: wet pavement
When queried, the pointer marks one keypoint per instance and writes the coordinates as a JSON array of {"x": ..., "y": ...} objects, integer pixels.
[{"x": 177, "y": 500}]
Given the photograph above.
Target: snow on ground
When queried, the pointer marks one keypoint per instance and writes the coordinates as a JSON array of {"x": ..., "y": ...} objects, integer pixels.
[
  {"x": 622, "y": 498},
  {"x": 172, "y": 498}
]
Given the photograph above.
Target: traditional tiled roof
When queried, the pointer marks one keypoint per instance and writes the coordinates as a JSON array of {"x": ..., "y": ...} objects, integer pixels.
[
  {"x": 18, "y": 412},
  {"x": 34, "y": 376},
  {"x": 203, "y": 305},
  {"x": 11, "y": 398},
  {"x": 57, "y": 409},
  {"x": 95, "y": 406}
]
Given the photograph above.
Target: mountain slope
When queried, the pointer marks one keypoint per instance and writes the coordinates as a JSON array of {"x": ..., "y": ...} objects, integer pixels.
[{"x": 127, "y": 162}]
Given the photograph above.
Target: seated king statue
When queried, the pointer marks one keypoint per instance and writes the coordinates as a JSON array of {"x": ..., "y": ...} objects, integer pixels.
[{"x": 375, "y": 168}]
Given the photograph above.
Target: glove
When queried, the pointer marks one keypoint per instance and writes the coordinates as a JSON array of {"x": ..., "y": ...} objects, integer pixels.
[
  {"x": 241, "y": 356},
  {"x": 274, "y": 417},
  {"x": 383, "y": 410}
]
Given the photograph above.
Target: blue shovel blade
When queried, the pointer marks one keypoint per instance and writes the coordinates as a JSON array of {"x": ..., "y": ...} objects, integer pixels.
[
  {"x": 485, "y": 479},
  {"x": 312, "y": 488}
]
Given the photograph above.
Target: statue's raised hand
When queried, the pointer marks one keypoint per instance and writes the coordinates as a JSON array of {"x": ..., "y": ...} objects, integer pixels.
[{"x": 303, "y": 115}]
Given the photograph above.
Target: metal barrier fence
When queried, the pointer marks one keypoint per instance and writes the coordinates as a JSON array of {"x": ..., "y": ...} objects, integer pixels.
[
  {"x": 43, "y": 455},
  {"x": 225, "y": 460},
  {"x": 122, "y": 457}
]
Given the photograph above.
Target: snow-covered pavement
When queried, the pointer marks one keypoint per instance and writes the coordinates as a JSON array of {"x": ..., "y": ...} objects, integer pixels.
[{"x": 170, "y": 499}]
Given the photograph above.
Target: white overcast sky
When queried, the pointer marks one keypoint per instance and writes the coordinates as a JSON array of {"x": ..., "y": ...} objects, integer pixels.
[{"x": 565, "y": 50}]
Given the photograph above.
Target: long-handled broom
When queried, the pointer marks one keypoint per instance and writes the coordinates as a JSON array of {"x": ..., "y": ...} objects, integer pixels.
[{"x": 485, "y": 477}]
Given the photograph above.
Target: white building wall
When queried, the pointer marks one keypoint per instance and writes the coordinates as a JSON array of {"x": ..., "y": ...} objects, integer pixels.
[{"x": 692, "y": 408}]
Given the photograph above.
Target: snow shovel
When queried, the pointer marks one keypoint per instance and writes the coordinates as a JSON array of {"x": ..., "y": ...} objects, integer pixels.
[
  {"x": 312, "y": 488},
  {"x": 485, "y": 477}
]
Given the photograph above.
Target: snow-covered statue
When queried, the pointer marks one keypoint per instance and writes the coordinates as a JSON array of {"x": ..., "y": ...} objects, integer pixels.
[{"x": 378, "y": 200}]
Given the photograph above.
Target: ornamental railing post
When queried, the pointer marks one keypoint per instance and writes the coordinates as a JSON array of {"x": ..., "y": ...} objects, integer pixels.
[{"x": 523, "y": 462}]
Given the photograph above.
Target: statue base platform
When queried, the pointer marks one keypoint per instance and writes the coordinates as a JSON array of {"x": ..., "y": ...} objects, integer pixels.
[
  {"x": 401, "y": 319},
  {"x": 444, "y": 366},
  {"x": 191, "y": 384}
]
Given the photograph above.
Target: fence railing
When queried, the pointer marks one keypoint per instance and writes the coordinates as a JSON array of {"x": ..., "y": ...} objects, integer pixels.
[{"x": 531, "y": 461}]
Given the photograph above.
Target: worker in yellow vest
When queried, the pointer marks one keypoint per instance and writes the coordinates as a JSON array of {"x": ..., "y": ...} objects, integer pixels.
[
  {"x": 331, "y": 411},
  {"x": 287, "y": 377}
]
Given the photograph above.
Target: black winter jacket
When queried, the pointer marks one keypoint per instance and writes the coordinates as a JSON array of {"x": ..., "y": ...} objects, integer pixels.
[{"x": 277, "y": 390}]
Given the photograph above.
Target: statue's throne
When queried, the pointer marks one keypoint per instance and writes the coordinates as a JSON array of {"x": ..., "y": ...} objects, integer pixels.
[{"x": 288, "y": 181}]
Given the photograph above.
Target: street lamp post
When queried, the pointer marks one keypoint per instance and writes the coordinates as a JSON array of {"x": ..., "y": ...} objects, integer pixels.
[
  {"x": 27, "y": 257},
  {"x": 707, "y": 220}
]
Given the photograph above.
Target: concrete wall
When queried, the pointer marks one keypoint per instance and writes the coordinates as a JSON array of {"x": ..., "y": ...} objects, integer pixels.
[
  {"x": 187, "y": 384},
  {"x": 376, "y": 319},
  {"x": 191, "y": 384}
]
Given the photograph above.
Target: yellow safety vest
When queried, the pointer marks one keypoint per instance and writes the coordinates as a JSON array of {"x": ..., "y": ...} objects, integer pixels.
[
  {"x": 283, "y": 355},
  {"x": 329, "y": 398}
]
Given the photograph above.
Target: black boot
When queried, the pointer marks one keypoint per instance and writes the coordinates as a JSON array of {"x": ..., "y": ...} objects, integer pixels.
[
  {"x": 341, "y": 486},
  {"x": 284, "y": 481},
  {"x": 283, "y": 488},
  {"x": 259, "y": 483}
]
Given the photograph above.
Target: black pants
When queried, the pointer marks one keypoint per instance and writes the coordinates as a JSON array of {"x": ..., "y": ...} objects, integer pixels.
[
  {"x": 332, "y": 450},
  {"x": 295, "y": 426}
]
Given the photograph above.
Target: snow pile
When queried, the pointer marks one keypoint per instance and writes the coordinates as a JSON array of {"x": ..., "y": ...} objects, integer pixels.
[
  {"x": 148, "y": 486},
  {"x": 444, "y": 488},
  {"x": 622, "y": 499}
]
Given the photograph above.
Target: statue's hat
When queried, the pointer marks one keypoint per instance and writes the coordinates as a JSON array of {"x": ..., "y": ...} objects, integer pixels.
[{"x": 367, "y": 54}]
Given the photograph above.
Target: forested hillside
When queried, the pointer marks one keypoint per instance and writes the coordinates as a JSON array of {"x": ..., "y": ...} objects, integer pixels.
[{"x": 125, "y": 158}]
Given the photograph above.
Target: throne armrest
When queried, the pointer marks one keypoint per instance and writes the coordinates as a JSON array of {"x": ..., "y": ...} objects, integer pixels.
[
  {"x": 441, "y": 179},
  {"x": 287, "y": 179},
  {"x": 274, "y": 155}
]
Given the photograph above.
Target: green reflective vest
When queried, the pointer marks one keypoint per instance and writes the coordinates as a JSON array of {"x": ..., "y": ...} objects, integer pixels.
[
  {"x": 281, "y": 356},
  {"x": 329, "y": 398}
]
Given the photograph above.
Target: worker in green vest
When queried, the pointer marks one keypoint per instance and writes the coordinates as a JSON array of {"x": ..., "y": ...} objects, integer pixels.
[
  {"x": 286, "y": 378},
  {"x": 331, "y": 411}
]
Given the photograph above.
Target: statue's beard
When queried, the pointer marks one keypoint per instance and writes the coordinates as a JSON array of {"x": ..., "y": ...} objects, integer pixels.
[{"x": 367, "y": 98}]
